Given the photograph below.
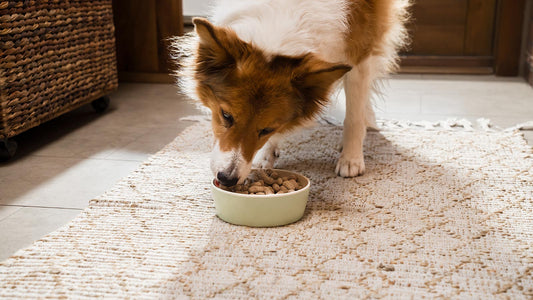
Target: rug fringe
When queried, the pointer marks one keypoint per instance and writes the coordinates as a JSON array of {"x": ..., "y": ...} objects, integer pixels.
[
  {"x": 482, "y": 124},
  {"x": 448, "y": 124},
  {"x": 522, "y": 126}
]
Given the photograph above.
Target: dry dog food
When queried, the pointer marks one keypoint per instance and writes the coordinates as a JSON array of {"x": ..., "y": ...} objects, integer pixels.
[{"x": 266, "y": 182}]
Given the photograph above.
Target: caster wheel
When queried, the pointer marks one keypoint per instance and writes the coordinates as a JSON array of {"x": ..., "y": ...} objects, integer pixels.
[
  {"x": 7, "y": 149},
  {"x": 101, "y": 104}
]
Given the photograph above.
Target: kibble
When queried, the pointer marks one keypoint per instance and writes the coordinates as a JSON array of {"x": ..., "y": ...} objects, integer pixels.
[
  {"x": 290, "y": 184},
  {"x": 266, "y": 182},
  {"x": 256, "y": 189}
]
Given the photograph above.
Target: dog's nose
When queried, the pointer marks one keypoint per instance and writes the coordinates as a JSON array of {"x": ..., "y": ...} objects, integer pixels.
[{"x": 226, "y": 179}]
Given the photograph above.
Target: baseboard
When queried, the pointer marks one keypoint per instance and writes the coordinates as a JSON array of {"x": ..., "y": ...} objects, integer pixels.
[{"x": 447, "y": 64}]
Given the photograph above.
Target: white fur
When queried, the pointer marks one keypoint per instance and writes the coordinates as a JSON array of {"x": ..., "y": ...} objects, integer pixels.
[
  {"x": 288, "y": 27},
  {"x": 266, "y": 156},
  {"x": 231, "y": 162},
  {"x": 359, "y": 114}
]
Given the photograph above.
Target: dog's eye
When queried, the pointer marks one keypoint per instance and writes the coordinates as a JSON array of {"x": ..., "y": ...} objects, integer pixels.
[
  {"x": 228, "y": 118},
  {"x": 265, "y": 131}
]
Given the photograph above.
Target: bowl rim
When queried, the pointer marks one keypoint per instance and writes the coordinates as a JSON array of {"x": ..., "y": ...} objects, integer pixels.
[{"x": 266, "y": 196}]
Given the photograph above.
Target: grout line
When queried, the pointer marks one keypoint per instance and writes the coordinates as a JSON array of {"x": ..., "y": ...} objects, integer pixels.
[
  {"x": 9, "y": 215},
  {"x": 41, "y": 206}
]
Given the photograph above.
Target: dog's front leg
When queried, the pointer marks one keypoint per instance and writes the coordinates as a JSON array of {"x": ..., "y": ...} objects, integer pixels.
[
  {"x": 357, "y": 86},
  {"x": 266, "y": 156}
]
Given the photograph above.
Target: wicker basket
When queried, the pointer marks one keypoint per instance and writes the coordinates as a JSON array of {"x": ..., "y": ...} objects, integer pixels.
[{"x": 54, "y": 57}]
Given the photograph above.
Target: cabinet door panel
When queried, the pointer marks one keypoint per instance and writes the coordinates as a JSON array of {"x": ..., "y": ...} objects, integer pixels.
[
  {"x": 479, "y": 29},
  {"x": 451, "y": 36},
  {"x": 437, "y": 27}
]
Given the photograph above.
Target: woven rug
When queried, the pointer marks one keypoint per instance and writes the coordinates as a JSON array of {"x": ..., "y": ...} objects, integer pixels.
[{"x": 442, "y": 211}]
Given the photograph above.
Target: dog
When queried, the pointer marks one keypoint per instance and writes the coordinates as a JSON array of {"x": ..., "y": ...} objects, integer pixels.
[{"x": 264, "y": 68}]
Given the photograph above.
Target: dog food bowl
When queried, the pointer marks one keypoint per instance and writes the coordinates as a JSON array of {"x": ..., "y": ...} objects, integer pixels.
[{"x": 262, "y": 210}]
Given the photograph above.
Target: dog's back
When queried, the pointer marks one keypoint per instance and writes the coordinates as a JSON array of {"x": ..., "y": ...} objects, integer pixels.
[
  {"x": 288, "y": 27},
  {"x": 335, "y": 30}
]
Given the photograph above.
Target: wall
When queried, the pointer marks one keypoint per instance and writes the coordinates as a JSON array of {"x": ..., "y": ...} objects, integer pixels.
[{"x": 193, "y": 8}]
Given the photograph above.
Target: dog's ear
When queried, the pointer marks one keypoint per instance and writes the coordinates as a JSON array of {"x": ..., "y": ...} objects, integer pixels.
[
  {"x": 315, "y": 83},
  {"x": 207, "y": 33},
  {"x": 219, "y": 47},
  {"x": 318, "y": 82}
]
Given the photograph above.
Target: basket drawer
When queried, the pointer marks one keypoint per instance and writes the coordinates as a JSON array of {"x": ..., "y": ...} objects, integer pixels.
[{"x": 54, "y": 56}]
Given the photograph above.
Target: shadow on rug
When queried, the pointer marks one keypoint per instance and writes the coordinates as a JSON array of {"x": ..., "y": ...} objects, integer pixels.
[{"x": 440, "y": 212}]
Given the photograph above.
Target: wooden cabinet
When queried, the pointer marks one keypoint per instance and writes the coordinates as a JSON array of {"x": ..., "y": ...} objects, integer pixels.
[
  {"x": 465, "y": 36},
  {"x": 142, "y": 29}
]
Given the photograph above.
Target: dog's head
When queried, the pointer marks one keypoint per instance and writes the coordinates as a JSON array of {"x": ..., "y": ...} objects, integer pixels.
[{"x": 254, "y": 95}]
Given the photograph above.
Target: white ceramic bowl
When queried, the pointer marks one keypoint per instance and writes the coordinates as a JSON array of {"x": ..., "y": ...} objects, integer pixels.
[{"x": 262, "y": 210}]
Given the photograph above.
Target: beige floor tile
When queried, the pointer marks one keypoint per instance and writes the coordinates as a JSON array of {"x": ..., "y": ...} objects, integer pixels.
[
  {"x": 458, "y": 104},
  {"x": 44, "y": 137},
  {"x": 476, "y": 104},
  {"x": 6, "y": 211},
  {"x": 28, "y": 224},
  {"x": 60, "y": 182},
  {"x": 32, "y": 168},
  {"x": 398, "y": 102},
  {"x": 149, "y": 143},
  {"x": 99, "y": 142}
]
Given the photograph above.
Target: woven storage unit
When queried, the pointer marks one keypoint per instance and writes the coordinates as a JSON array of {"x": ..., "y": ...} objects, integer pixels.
[{"x": 54, "y": 57}]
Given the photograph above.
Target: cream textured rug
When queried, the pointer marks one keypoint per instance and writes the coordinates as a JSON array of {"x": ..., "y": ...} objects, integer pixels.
[{"x": 440, "y": 212}]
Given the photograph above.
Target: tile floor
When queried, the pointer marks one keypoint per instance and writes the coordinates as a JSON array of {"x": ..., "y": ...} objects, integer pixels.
[{"x": 64, "y": 163}]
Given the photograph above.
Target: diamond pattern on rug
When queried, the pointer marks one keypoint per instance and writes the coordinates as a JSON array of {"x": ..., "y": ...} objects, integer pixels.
[{"x": 439, "y": 213}]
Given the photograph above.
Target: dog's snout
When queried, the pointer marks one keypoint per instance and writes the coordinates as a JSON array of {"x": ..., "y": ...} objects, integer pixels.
[
  {"x": 229, "y": 167},
  {"x": 226, "y": 179}
]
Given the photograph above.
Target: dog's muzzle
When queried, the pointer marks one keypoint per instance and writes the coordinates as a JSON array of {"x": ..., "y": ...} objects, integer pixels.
[
  {"x": 228, "y": 166},
  {"x": 227, "y": 179}
]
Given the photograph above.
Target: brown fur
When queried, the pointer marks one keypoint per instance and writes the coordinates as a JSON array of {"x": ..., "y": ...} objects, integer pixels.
[
  {"x": 371, "y": 26},
  {"x": 277, "y": 93}
]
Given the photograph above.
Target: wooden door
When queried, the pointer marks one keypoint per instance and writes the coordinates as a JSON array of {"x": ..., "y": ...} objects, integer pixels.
[{"x": 464, "y": 36}]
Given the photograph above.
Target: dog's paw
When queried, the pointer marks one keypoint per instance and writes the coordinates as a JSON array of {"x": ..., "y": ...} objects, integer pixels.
[
  {"x": 266, "y": 158},
  {"x": 350, "y": 166}
]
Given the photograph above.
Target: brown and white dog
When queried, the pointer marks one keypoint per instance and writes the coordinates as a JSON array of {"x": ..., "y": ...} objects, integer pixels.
[{"x": 263, "y": 68}]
